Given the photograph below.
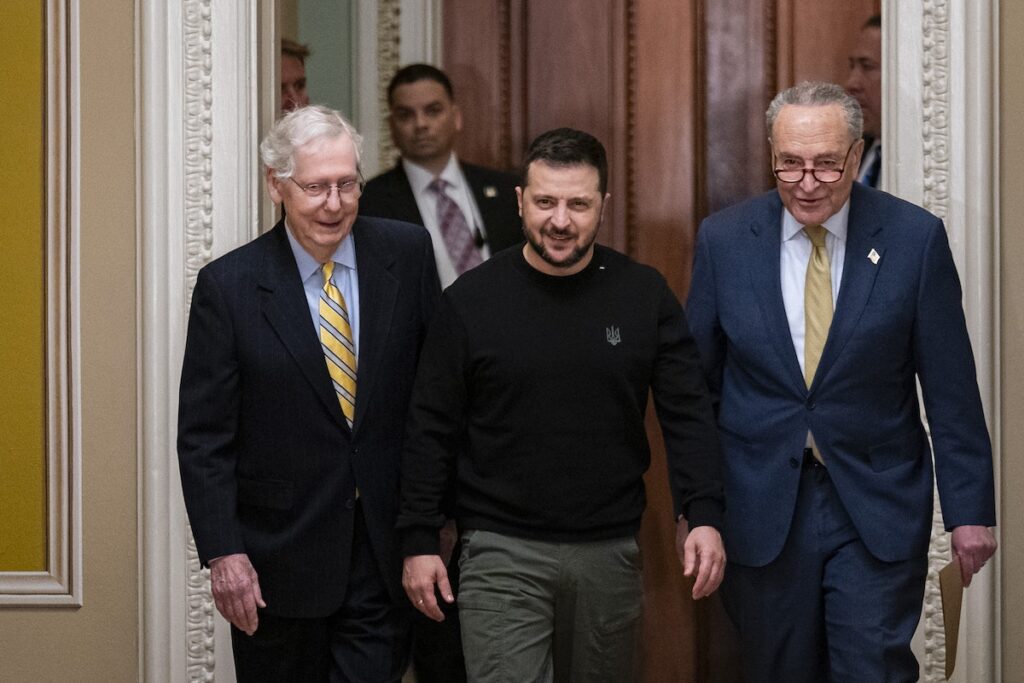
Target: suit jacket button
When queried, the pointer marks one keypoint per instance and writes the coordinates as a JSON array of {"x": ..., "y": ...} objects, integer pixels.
[
  {"x": 350, "y": 503},
  {"x": 794, "y": 463},
  {"x": 811, "y": 405}
]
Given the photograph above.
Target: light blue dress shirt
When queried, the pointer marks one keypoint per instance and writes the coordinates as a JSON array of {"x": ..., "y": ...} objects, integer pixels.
[{"x": 344, "y": 278}]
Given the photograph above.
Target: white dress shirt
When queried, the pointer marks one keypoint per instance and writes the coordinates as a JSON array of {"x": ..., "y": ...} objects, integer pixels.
[
  {"x": 793, "y": 259},
  {"x": 344, "y": 279},
  {"x": 459, "y": 190}
]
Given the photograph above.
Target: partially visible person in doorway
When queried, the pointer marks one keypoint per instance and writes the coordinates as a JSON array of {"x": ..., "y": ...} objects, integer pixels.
[
  {"x": 293, "y": 75},
  {"x": 864, "y": 83},
  {"x": 469, "y": 210}
]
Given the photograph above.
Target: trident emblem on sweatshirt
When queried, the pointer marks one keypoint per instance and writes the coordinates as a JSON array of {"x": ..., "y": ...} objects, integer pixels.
[{"x": 612, "y": 333}]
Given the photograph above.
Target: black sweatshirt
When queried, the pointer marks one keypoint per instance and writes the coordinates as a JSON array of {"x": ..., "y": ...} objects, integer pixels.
[{"x": 530, "y": 399}]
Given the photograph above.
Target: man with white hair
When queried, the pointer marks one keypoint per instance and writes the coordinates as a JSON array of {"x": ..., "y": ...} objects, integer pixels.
[{"x": 301, "y": 351}]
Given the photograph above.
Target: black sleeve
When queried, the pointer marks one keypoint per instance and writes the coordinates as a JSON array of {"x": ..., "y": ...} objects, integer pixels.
[
  {"x": 687, "y": 420},
  {"x": 434, "y": 434},
  {"x": 208, "y": 408}
]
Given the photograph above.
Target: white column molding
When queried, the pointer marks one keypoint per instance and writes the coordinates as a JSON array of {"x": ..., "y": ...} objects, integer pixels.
[
  {"x": 366, "y": 86},
  {"x": 420, "y": 33},
  {"x": 388, "y": 34},
  {"x": 198, "y": 198},
  {"x": 941, "y": 107}
]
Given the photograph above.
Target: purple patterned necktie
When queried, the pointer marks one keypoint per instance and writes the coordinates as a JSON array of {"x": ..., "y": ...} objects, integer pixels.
[{"x": 458, "y": 238}]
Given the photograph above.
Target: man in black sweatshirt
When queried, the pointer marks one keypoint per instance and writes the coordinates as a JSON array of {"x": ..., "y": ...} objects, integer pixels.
[{"x": 529, "y": 401}]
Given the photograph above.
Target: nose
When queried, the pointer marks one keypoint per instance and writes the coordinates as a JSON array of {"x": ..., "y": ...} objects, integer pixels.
[
  {"x": 560, "y": 216},
  {"x": 808, "y": 183},
  {"x": 333, "y": 199},
  {"x": 854, "y": 82},
  {"x": 421, "y": 120},
  {"x": 288, "y": 99}
]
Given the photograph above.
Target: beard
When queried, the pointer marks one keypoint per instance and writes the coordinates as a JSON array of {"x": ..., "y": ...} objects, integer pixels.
[{"x": 574, "y": 257}]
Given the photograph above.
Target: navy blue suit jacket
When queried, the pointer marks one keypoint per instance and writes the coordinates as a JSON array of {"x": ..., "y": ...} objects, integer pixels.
[
  {"x": 896, "y": 321},
  {"x": 268, "y": 464},
  {"x": 389, "y": 195}
]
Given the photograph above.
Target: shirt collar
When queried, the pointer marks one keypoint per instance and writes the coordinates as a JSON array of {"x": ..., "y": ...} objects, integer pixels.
[
  {"x": 420, "y": 178},
  {"x": 836, "y": 224},
  {"x": 345, "y": 254}
]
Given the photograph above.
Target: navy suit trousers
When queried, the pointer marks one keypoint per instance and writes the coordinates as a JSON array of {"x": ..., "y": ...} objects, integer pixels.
[
  {"x": 365, "y": 641},
  {"x": 825, "y": 610}
]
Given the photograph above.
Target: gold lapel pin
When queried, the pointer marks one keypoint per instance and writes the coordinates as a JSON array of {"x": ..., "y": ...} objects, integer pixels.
[{"x": 490, "y": 191}]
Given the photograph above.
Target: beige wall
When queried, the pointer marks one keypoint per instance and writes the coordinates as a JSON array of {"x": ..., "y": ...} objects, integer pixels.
[
  {"x": 1012, "y": 334},
  {"x": 99, "y": 641}
]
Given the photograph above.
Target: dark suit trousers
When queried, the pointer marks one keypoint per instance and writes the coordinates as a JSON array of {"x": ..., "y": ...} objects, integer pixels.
[
  {"x": 825, "y": 610},
  {"x": 437, "y": 647},
  {"x": 366, "y": 640}
]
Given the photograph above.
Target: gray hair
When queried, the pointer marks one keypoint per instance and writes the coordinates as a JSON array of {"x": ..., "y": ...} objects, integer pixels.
[
  {"x": 818, "y": 94},
  {"x": 299, "y": 128}
]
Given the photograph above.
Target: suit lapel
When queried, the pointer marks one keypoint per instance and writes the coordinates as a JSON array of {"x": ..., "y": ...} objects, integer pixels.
[
  {"x": 285, "y": 308},
  {"x": 403, "y": 200},
  {"x": 378, "y": 292},
  {"x": 864, "y": 233},
  {"x": 766, "y": 283}
]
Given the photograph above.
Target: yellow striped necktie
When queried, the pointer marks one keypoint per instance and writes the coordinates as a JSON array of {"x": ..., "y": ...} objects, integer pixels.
[
  {"x": 336, "y": 340},
  {"x": 817, "y": 302}
]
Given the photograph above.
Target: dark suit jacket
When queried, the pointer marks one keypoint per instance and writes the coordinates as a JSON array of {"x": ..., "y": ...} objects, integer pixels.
[
  {"x": 389, "y": 195},
  {"x": 268, "y": 464},
  {"x": 896, "y": 321}
]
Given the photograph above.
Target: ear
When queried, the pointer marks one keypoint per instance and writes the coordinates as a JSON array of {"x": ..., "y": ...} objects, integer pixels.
[
  {"x": 858, "y": 152},
  {"x": 604, "y": 206},
  {"x": 519, "y": 199},
  {"x": 273, "y": 186},
  {"x": 458, "y": 117}
]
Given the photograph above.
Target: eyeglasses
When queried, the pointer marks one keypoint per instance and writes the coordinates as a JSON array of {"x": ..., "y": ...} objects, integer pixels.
[
  {"x": 822, "y": 175},
  {"x": 347, "y": 189}
]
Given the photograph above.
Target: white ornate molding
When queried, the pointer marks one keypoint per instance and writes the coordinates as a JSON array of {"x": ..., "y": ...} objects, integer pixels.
[
  {"x": 389, "y": 60},
  {"x": 199, "y": 107},
  {"x": 60, "y": 583},
  {"x": 941, "y": 139}
]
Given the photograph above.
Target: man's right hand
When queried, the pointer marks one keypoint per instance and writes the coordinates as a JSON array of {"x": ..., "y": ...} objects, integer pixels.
[
  {"x": 236, "y": 591},
  {"x": 420, "y": 573}
]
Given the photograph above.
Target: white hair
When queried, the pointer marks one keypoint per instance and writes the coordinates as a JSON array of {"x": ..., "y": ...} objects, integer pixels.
[
  {"x": 818, "y": 94},
  {"x": 299, "y": 128}
]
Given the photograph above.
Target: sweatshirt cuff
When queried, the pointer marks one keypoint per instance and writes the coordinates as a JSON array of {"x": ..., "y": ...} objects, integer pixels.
[
  {"x": 420, "y": 541},
  {"x": 705, "y": 512}
]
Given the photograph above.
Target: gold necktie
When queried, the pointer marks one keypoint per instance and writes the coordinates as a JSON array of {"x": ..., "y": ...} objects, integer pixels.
[
  {"x": 336, "y": 340},
  {"x": 817, "y": 302}
]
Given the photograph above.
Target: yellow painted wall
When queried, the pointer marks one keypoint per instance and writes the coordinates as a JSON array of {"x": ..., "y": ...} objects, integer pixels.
[
  {"x": 22, "y": 319},
  {"x": 98, "y": 642}
]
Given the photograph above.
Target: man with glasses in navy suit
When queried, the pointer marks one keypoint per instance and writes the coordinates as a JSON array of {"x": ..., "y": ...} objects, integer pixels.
[{"x": 817, "y": 308}]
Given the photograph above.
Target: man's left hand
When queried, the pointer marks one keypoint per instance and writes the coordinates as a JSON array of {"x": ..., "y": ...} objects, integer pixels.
[
  {"x": 972, "y": 545},
  {"x": 702, "y": 555}
]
